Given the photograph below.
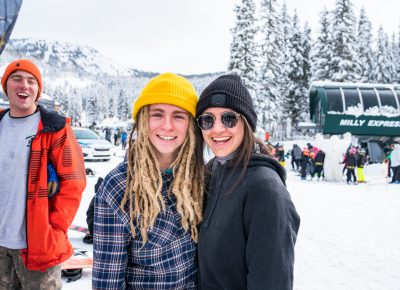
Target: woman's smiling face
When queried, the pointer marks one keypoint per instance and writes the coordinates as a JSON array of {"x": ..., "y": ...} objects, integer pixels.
[
  {"x": 222, "y": 140},
  {"x": 168, "y": 127}
]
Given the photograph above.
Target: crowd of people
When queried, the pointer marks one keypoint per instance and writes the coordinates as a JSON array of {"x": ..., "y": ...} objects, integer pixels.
[
  {"x": 309, "y": 161},
  {"x": 117, "y": 136}
]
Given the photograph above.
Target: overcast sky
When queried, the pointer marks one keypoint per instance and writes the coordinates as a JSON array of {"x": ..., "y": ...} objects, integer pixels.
[{"x": 182, "y": 36}]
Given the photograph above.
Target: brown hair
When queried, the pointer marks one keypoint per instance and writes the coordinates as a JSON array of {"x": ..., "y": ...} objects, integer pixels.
[{"x": 144, "y": 181}]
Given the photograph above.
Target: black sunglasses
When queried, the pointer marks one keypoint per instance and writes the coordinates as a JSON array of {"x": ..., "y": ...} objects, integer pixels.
[{"x": 228, "y": 119}]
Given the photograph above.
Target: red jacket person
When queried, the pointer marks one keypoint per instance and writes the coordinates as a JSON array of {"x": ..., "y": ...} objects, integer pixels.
[{"x": 33, "y": 223}]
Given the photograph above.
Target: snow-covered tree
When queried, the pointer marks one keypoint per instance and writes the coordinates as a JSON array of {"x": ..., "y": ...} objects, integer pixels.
[
  {"x": 111, "y": 106},
  {"x": 269, "y": 103},
  {"x": 396, "y": 57},
  {"x": 321, "y": 53},
  {"x": 345, "y": 65},
  {"x": 384, "y": 69},
  {"x": 293, "y": 104},
  {"x": 123, "y": 106},
  {"x": 60, "y": 97},
  {"x": 284, "y": 33},
  {"x": 243, "y": 48},
  {"x": 285, "y": 24},
  {"x": 74, "y": 105},
  {"x": 306, "y": 44},
  {"x": 364, "y": 48},
  {"x": 390, "y": 56},
  {"x": 92, "y": 109}
]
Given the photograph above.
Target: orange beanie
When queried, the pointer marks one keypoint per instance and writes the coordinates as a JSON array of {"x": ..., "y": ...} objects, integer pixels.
[{"x": 25, "y": 65}]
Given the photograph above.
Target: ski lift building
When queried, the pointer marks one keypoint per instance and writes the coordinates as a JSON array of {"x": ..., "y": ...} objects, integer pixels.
[{"x": 359, "y": 108}]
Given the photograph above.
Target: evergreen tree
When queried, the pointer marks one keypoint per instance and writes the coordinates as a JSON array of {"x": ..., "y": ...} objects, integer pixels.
[
  {"x": 123, "y": 107},
  {"x": 92, "y": 108},
  {"x": 365, "y": 52},
  {"x": 284, "y": 33},
  {"x": 103, "y": 97},
  {"x": 345, "y": 65},
  {"x": 306, "y": 44},
  {"x": 75, "y": 105},
  {"x": 111, "y": 106},
  {"x": 269, "y": 103},
  {"x": 284, "y": 30},
  {"x": 321, "y": 52},
  {"x": 390, "y": 55},
  {"x": 60, "y": 97},
  {"x": 293, "y": 104},
  {"x": 384, "y": 69},
  {"x": 243, "y": 48},
  {"x": 396, "y": 57}
]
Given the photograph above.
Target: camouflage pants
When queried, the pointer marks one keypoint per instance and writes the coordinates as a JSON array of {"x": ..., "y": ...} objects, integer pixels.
[{"x": 14, "y": 275}]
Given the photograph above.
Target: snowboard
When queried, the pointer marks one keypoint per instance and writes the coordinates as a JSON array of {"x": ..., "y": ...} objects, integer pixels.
[
  {"x": 79, "y": 260},
  {"x": 78, "y": 229}
]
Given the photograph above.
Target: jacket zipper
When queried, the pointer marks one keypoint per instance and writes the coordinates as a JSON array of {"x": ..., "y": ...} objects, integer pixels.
[{"x": 26, "y": 200}]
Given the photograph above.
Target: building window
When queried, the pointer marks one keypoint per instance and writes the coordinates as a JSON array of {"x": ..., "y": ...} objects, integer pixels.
[
  {"x": 398, "y": 96},
  {"x": 370, "y": 101},
  {"x": 388, "y": 102},
  {"x": 352, "y": 102},
  {"x": 335, "y": 101}
]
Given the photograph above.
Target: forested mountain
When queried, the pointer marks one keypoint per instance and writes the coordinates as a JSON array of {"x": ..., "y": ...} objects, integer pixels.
[{"x": 84, "y": 82}]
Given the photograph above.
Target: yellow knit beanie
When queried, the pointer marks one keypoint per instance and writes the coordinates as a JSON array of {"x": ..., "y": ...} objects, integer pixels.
[{"x": 167, "y": 88}]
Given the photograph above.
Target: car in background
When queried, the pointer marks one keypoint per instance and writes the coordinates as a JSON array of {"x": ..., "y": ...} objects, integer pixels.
[{"x": 93, "y": 146}]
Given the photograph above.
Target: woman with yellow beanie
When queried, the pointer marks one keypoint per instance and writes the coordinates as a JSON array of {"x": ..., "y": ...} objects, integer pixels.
[{"x": 148, "y": 208}]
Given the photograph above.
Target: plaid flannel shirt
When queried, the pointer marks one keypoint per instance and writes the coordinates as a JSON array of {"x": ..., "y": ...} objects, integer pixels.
[{"x": 166, "y": 261}]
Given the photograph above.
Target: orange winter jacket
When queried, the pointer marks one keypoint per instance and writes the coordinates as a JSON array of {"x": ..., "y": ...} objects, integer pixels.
[{"x": 48, "y": 219}]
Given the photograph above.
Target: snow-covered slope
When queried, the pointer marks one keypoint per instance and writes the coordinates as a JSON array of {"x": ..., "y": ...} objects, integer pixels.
[{"x": 55, "y": 56}]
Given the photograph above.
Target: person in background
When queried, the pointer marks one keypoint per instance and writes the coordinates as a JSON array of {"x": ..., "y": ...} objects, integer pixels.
[
  {"x": 124, "y": 136},
  {"x": 351, "y": 164},
  {"x": 116, "y": 137},
  {"x": 250, "y": 224},
  {"x": 148, "y": 208},
  {"x": 266, "y": 137},
  {"x": 319, "y": 165},
  {"x": 395, "y": 163},
  {"x": 361, "y": 161},
  {"x": 310, "y": 147},
  {"x": 387, "y": 150},
  {"x": 304, "y": 163},
  {"x": 344, "y": 162},
  {"x": 88, "y": 238},
  {"x": 34, "y": 214},
  {"x": 311, "y": 163},
  {"x": 93, "y": 126},
  {"x": 296, "y": 157},
  {"x": 280, "y": 154}
]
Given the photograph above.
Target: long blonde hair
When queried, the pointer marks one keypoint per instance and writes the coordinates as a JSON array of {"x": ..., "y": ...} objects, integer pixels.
[{"x": 144, "y": 181}]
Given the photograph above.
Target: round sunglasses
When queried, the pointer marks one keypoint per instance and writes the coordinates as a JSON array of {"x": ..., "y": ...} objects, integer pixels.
[{"x": 228, "y": 119}]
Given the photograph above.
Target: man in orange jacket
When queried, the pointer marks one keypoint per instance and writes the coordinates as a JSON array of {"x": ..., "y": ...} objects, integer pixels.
[{"x": 34, "y": 220}]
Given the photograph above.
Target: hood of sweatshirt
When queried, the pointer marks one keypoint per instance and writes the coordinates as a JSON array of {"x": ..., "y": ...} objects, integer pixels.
[{"x": 259, "y": 159}]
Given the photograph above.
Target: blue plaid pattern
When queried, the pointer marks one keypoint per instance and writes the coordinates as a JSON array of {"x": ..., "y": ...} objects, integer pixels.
[{"x": 166, "y": 261}]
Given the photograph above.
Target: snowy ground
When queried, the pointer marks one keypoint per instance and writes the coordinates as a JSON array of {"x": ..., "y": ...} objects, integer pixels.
[{"x": 349, "y": 236}]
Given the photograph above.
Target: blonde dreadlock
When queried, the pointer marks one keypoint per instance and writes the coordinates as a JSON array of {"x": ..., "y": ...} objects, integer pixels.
[{"x": 144, "y": 181}]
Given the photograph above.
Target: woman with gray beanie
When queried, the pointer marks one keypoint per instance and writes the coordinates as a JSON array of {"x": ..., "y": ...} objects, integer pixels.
[{"x": 250, "y": 224}]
